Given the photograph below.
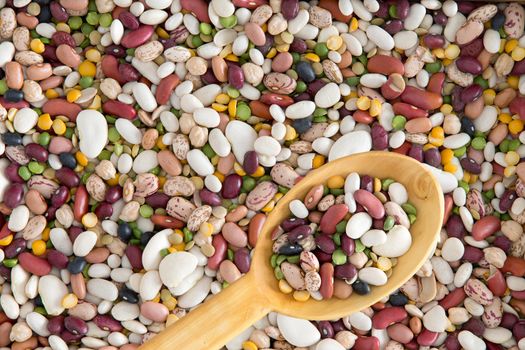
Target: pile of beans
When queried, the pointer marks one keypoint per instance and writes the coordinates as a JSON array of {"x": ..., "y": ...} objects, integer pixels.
[
  {"x": 342, "y": 237},
  {"x": 143, "y": 143}
]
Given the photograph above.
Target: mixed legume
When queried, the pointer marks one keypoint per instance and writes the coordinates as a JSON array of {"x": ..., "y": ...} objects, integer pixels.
[
  {"x": 342, "y": 238},
  {"x": 144, "y": 141}
]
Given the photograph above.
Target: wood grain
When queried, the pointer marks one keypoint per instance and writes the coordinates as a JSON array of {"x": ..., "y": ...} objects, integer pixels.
[{"x": 223, "y": 316}]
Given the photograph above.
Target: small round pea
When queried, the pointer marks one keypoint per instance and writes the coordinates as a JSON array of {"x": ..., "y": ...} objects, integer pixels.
[
  {"x": 113, "y": 134},
  {"x": 24, "y": 173},
  {"x": 105, "y": 20},
  {"x": 229, "y": 22},
  {"x": 44, "y": 139},
  {"x": 75, "y": 22},
  {"x": 398, "y": 122},
  {"x": 92, "y": 18},
  {"x": 339, "y": 257},
  {"x": 243, "y": 111},
  {"x": 36, "y": 167},
  {"x": 86, "y": 82},
  {"x": 478, "y": 143}
]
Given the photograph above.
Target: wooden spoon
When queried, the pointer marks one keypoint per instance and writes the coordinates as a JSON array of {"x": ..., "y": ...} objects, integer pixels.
[{"x": 218, "y": 320}]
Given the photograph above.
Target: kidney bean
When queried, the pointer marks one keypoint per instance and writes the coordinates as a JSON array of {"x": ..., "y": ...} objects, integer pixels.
[
  {"x": 400, "y": 333},
  {"x": 426, "y": 337},
  {"x": 107, "y": 323},
  {"x": 209, "y": 197},
  {"x": 371, "y": 203},
  {"x": 416, "y": 152},
  {"x": 514, "y": 265},
  {"x": 379, "y": 137},
  {"x": 156, "y": 200},
  {"x": 57, "y": 259},
  {"x": 231, "y": 186},
  {"x": 271, "y": 98},
  {"x": 299, "y": 233},
  {"x": 347, "y": 245},
  {"x": 13, "y": 195},
  {"x": 436, "y": 82},
  {"x": 315, "y": 86},
  {"x": 393, "y": 26},
  {"x": 432, "y": 157},
  {"x": 81, "y": 203},
  {"x": 56, "y": 325},
  {"x": 470, "y": 165},
  {"x": 322, "y": 256},
  {"x": 497, "y": 283},
  {"x": 255, "y": 227},
  {"x": 485, "y": 227},
  {"x": 367, "y": 183},
  {"x": 452, "y": 342},
  {"x": 332, "y": 217},
  {"x": 366, "y": 343},
  {"x": 37, "y": 152},
  {"x": 166, "y": 221},
  {"x": 388, "y": 316},
  {"x": 434, "y": 41},
  {"x": 289, "y": 9},
  {"x": 327, "y": 280},
  {"x": 346, "y": 271},
  {"x": 114, "y": 193},
  {"x": 119, "y": 109},
  {"x": 11, "y": 173},
  {"x": 67, "y": 177},
  {"x": 241, "y": 258},
  {"x": 221, "y": 246},
  {"x": 453, "y": 299},
  {"x": 129, "y": 20},
  {"x": 60, "y": 196},
  {"x": 325, "y": 243},
  {"x": 15, "y": 248},
  {"x": 33, "y": 264},
  {"x": 58, "y": 12},
  {"x": 474, "y": 325},
  {"x": 471, "y": 93},
  {"x": 508, "y": 320},
  {"x": 326, "y": 329},
  {"x": 469, "y": 64},
  {"x": 137, "y": 37},
  {"x": 298, "y": 45},
  {"x": 75, "y": 325}
]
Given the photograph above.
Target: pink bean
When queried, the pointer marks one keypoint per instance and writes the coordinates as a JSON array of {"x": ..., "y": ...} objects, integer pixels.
[
  {"x": 387, "y": 316},
  {"x": 371, "y": 203},
  {"x": 137, "y": 37},
  {"x": 221, "y": 247},
  {"x": 37, "y": 266}
]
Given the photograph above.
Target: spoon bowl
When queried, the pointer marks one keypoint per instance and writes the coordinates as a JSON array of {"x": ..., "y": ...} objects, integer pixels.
[{"x": 212, "y": 324}]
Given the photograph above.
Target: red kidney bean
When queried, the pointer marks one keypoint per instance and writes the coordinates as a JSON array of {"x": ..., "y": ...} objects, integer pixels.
[
  {"x": 18, "y": 105},
  {"x": 137, "y": 37},
  {"x": 421, "y": 98},
  {"x": 116, "y": 51},
  {"x": 5, "y": 231},
  {"x": 74, "y": 232},
  {"x": 338, "y": 325},
  {"x": 81, "y": 203},
  {"x": 388, "y": 316},
  {"x": 409, "y": 111},
  {"x": 158, "y": 200},
  {"x": 13, "y": 195},
  {"x": 366, "y": 343},
  {"x": 58, "y": 12},
  {"x": 506, "y": 200},
  {"x": 503, "y": 243},
  {"x": 56, "y": 325},
  {"x": 109, "y": 66},
  {"x": 485, "y": 227},
  {"x": 15, "y": 248},
  {"x": 514, "y": 265},
  {"x": 347, "y": 271},
  {"x": 231, "y": 186},
  {"x": 50, "y": 54},
  {"x": 60, "y": 196},
  {"x": 289, "y": 9},
  {"x": 379, "y": 137},
  {"x": 67, "y": 177},
  {"x": 221, "y": 247},
  {"x": 363, "y": 117},
  {"x": 255, "y": 227},
  {"x": 474, "y": 325},
  {"x": 332, "y": 217},
  {"x": 75, "y": 325},
  {"x": 165, "y": 88},
  {"x": 455, "y": 227},
  {"x": 241, "y": 258},
  {"x": 454, "y": 298},
  {"x": 322, "y": 256},
  {"x": 33, "y": 264},
  {"x": 5, "y": 272},
  {"x": 371, "y": 203},
  {"x": 114, "y": 193},
  {"x": 249, "y": 4},
  {"x": 434, "y": 41},
  {"x": 209, "y": 77},
  {"x": 166, "y": 221},
  {"x": 471, "y": 93},
  {"x": 347, "y": 244},
  {"x": 367, "y": 183},
  {"x": 469, "y": 64},
  {"x": 37, "y": 152},
  {"x": 65, "y": 38},
  {"x": 60, "y": 106},
  {"x": 57, "y": 259},
  {"x": 426, "y": 337},
  {"x": 209, "y": 197},
  {"x": 251, "y": 162},
  {"x": 104, "y": 210},
  {"x": 291, "y": 223},
  {"x": 134, "y": 255},
  {"x": 199, "y": 8},
  {"x": 326, "y": 329},
  {"x": 327, "y": 280},
  {"x": 299, "y": 233},
  {"x": 11, "y": 173},
  {"x": 497, "y": 283},
  {"x": 436, "y": 82},
  {"x": 107, "y": 323},
  {"x": 276, "y": 99},
  {"x": 119, "y": 109}
]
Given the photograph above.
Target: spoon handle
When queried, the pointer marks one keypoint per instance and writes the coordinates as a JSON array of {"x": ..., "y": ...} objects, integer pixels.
[{"x": 214, "y": 323}]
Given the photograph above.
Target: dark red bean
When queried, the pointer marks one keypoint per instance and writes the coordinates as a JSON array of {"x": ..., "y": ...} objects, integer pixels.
[
  {"x": 367, "y": 183},
  {"x": 299, "y": 46},
  {"x": 289, "y": 9},
  {"x": 470, "y": 165},
  {"x": 508, "y": 320},
  {"x": 322, "y": 256},
  {"x": 291, "y": 223},
  {"x": 475, "y": 325},
  {"x": 33, "y": 264},
  {"x": 158, "y": 200},
  {"x": 134, "y": 255},
  {"x": 434, "y": 41},
  {"x": 472, "y": 254},
  {"x": 506, "y": 200},
  {"x": 299, "y": 233},
  {"x": 128, "y": 72},
  {"x": 209, "y": 197},
  {"x": 416, "y": 152},
  {"x": 37, "y": 152},
  {"x": 11, "y": 173},
  {"x": 452, "y": 342},
  {"x": 67, "y": 177},
  {"x": 518, "y": 330},
  {"x": 57, "y": 259},
  {"x": 466, "y": 7},
  {"x": 241, "y": 258},
  {"x": 347, "y": 245},
  {"x": 378, "y": 224},
  {"x": 519, "y": 68},
  {"x": 69, "y": 337},
  {"x": 379, "y": 137},
  {"x": 338, "y": 326},
  {"x": 469, "y": 64},
  {"x": 432, "y": 157},
  {"x": 402, "y": 8},
  {"x": 129, "y": 20},
  {"x": 440, "y": 18},
  {"x": 107, "y": 323},
  {"x": 16, "y": 247},
  {"x": 251, "y": 162},
  {"x": 314, "y": 87},
  {"x": 60, "y": 37},
  {"x": 56, "y": 325},
  {"x": 231, "y": 187},
  {"x": 471, "y": 93},
  {"x": 113, "y": 194},
  {"x": 13, "y": 195},
  {"x": 455, "y": 227},
  {"x": 472, "y": 49},
  {"x": 503, "y": 243},
  {"x": 346, "y": 271},
  {"x": 393, "y": 26},
  {"x": 235, "y": 76},
  {"x": 75, "y": 325},
  {"x": 116, "y": 51},
  {"x": 326, "y": 329},
  {"x": 104, "y": 210},
  {"x": 58, "y": 12},
  {"x": 60, "y": 196},
  {"x": 267, "y": 45},
  {"x": 325, "y": 243},
  {"x": 74, "y": 232}
]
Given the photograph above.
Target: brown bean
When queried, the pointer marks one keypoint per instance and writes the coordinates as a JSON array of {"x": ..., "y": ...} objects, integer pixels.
[{"x": 327, "y": 280}]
